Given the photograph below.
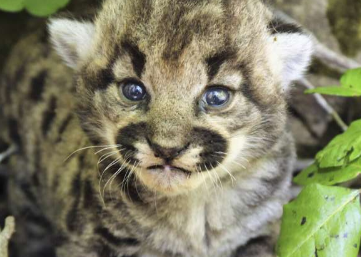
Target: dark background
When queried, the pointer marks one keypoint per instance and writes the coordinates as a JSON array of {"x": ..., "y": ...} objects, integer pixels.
[{"x": 336, "y": 23}]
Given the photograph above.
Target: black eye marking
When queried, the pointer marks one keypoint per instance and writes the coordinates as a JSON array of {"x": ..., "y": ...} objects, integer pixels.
[
  {"x": 133, "y": 90},
  {"x": 216, "y": 97}
]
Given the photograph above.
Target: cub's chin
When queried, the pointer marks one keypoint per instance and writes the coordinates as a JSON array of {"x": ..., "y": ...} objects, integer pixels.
[{"x": 170, "y": 180}]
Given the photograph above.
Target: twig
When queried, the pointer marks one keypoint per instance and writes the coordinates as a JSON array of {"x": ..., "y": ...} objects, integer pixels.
[
  {"x": 10, "y": 151},
  {"x": 5, "y": 236},
  {"x": 331, "y": 59},
  {"x": 327, "y": 56},
  {"x": 324, "y": 104}
]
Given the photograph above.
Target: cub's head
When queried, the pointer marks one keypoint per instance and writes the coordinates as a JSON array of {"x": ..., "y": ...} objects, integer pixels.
[{"x": 186, "y": 90}]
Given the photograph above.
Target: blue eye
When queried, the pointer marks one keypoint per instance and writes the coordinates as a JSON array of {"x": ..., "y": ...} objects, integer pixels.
[
  {"x": 134, "y": 91},
  {"x": 216, "y": 97}
]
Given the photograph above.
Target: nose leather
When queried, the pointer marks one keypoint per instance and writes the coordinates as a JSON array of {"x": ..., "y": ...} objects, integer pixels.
[{"x": 168, "y": 154}]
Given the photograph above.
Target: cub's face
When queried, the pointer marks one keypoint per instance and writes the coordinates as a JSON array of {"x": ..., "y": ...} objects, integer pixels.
[{"x": 182, "y": 93}]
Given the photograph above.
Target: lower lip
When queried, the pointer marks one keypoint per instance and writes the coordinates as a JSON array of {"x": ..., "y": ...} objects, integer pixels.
[{"x": 168, "y": 168}]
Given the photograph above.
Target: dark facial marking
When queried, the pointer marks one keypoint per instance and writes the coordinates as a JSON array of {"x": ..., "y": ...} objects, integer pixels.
[
  {"x": 215, "y": 62},
  {"x": 37, "y": 86},
  {"x": 128, "y": 136},
  {"x": 214, "y": 145},
  {"x": 109, "y": 238},
  {"x": 105, "y": 77},
  {"x": 247, "y": 89},
  {"x": 138, "y": 58},
  {"x": 49, "y": 116},
  {"x": 280, "y": 26}
]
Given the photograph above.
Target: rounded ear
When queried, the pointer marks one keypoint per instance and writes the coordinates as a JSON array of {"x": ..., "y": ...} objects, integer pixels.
[
  {"x": 294, "y": 48},
  {"x": 71, "y": 39}
]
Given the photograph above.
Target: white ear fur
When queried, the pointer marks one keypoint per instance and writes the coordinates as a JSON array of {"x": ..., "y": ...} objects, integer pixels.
[
  {"x": 71, "y": 39},
  {"x": 295, "y": 51}
]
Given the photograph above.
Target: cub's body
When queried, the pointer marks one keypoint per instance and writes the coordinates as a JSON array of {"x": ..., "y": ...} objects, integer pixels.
[{"x": 74, "y": 195}]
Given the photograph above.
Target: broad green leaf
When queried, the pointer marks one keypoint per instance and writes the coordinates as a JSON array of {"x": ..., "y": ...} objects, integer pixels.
[
  {"x": 322, "y": 222},
  {"x": 350, "y": 85},
  {"x": 337, "y": 91},
  {"x": 330, "y": 176},
  {"x": 35, "y": 7},
  {"x": 44, "y": 8},
  {"x": 12, "y": 5},
  {"x": 342, "y": 149},
  {"x": 352, "y": 79}
]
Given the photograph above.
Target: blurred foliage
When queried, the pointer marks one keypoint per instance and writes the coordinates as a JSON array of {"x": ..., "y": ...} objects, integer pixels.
[
  {"x": 350, "y": 85},
  {"x": 345, "y": 20},
  {"x": 35, "y": 7}
]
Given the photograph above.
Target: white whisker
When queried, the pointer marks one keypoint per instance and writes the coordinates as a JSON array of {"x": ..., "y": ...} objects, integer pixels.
[
  {"x": 85, "y": 148},
  {"x": 233, "y": 179}
]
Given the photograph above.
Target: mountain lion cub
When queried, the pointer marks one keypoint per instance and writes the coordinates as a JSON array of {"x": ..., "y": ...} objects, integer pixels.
[{"x": 166, "y": 137}]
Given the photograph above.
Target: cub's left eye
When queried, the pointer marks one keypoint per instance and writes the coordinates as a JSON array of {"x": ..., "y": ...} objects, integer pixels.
[
  {"x": 216, "y": 96},
  {"x": 134, "y": 91}
]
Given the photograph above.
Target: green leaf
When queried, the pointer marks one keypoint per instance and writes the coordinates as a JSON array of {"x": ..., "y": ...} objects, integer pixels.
[
  {"x": 322, "y": 222},
  {"x": 35, "y": 7},
  {"x": 342, "y": 149},
  {"x": 12, "y": 5},
  {"x": 350, "y": 85},
  {"x": 42, "y": 8},
  {"x": 352, "y": 79},
  {"x": 337, "y": 91},
  {"x": 331, "y": 176}
]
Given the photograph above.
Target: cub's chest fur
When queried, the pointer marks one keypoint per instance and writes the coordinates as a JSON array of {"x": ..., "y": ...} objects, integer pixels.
[{"x": 212, "y": 221}]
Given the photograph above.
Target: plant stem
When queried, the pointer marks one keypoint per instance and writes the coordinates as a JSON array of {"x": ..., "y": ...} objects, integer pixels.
[{"x": 324, "y": 104}]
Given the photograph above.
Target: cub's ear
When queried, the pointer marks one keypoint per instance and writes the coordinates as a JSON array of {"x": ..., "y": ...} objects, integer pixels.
[
  {"x": 71, "y": 39},
  {"x": 294, "y": 48}
]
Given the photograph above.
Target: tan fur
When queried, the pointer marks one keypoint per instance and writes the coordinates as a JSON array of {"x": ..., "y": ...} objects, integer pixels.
[{"x": 103, "y": 204}]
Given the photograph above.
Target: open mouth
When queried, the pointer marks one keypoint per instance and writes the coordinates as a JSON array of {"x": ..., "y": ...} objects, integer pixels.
[{"x": 170, "y": 168}]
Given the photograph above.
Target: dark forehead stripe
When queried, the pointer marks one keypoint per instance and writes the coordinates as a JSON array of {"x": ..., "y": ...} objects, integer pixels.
[
  {"x": 215, "y": 62},
  {"x": 138, "y": 58},
  {"x": 247, "y": 88},
  {"x": 279, "y": 26}
]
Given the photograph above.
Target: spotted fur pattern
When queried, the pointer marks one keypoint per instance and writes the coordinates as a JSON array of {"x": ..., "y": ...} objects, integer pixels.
[{"x": 94, "y": 171}]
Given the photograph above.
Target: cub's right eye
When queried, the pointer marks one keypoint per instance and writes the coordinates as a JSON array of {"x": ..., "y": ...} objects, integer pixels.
[{"x": 133, "y": 90}]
